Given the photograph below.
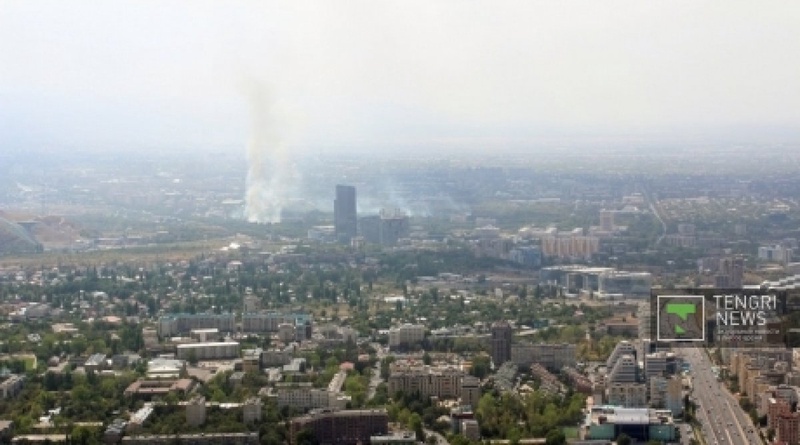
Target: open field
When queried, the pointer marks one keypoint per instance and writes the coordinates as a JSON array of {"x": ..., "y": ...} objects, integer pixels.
[{"x": 161, "y": 252}]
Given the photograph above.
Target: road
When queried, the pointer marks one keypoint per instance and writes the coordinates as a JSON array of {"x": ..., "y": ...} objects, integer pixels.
[
  {"x": 440, "y": 440},
  {"x": 376, "y": 379},
  {"x": 722, "y": 421},
  {"x": 652, "y": 205}
]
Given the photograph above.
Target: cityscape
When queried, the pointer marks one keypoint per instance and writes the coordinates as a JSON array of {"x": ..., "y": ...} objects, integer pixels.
[{"x": 435, "y": 223}]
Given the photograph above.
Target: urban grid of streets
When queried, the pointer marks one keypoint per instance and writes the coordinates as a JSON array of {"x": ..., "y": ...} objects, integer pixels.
[{"x": 722, "y": 421}]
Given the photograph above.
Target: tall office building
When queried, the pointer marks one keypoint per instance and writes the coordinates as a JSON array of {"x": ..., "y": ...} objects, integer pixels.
[
  {"x": 501, "y": 342},
  {"x": 345, "y": 221},
  {"x": 607, "y": 220},
  {"x": 731, "y": 273}
]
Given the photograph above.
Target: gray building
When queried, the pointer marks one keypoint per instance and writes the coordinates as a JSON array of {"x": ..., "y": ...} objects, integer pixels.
[
  {"x": 501, "y": 342},
  {"x": 345, "y": 220}
]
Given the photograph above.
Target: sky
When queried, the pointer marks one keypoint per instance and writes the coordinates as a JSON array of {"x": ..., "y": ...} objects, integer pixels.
[{"x": 395, "y": 75}]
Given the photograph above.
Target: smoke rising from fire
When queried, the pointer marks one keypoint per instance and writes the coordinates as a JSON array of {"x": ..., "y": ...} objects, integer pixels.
[{"x": 266, "y": 159}]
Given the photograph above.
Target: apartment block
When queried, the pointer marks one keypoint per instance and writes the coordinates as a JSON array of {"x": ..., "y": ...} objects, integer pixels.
[
  {"x": 788, "y": 428},
  {"x": 425, "y": 380},
  {"x": 196, "y": 411},
  {"x": 406, "y": 335},
  {"x": 209, "y": 351},
  {"x": 12, "y": 386},
  {"x": 174, "y": 324},
  {"x": 551, "y": 356},
  {"x": 775, "y": 409},
  {"x": 271, "y": 321},
  {"x": 302, "y": 396},
  {"x": 251, "y": 410},
  {"x": 666, "y": 393},
  {"x": 625, "y": 370},
  {"x": 346, "y": 427},
  {"x": 470, "y": 391},
  {"x": 627, "y": 395}
]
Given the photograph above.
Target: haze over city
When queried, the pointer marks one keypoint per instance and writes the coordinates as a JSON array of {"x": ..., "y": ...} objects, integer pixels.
[{"x": 367, "y": 77}]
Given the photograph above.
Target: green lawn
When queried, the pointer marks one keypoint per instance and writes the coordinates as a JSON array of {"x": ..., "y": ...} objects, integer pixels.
[{"x": 570, "y": 432}]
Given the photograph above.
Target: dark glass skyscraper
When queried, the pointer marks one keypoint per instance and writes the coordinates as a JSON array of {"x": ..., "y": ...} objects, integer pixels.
[
  {"x": 501, "y": 342},
  {"x": 345, "y": 221}
]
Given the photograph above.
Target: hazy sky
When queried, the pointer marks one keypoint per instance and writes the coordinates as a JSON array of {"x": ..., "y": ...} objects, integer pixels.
[{"x": 387, "y": 75}]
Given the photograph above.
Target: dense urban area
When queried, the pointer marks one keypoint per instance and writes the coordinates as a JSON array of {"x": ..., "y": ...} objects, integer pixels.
[{"x": 399, "y": 300}]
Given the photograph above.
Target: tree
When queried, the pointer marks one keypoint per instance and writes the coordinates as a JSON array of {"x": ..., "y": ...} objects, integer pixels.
[
  {"x": 555, "y": 437},
  {"x": 480, "y": 366},
  {"x": 306, "y": 437},
  {"x": 415, "y": 423},
  {"x": 623, "y": 439}
]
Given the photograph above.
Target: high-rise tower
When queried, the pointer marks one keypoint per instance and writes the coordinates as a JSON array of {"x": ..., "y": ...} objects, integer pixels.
[
  {"x": 501, "y": 342},
  {"x": 345, "y": 221}
]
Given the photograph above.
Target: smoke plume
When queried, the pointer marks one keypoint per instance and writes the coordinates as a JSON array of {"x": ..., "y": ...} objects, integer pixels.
[{"x": 266, "y": 159}]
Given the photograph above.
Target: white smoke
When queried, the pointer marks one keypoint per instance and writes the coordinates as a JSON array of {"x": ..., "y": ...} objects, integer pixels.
[{"x": 266, "y": 158}]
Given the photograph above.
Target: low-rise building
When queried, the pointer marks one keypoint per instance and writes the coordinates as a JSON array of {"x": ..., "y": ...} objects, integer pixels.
[
  {"x": 251, "y": 360},
  {"x": 396, "y": 438},
  {"x": 193, "y": 439},
  {"x": 12, "y": 386},
  {"x": 578, "y": 381},
  {"x": 470, "y": 429},
  {"x": 138, "y": 419},
  {"x": 95, "y": 363},
  {"x": 640, "y": 424},
  {"x": 6, "y": 430},
  {"x": 548, "y": 382},
  {"x": 165, "y": 368},
  {"x": 147, "y": 389}
]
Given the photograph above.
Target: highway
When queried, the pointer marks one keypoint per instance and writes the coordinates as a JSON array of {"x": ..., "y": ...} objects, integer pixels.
[
  {"x": 723, "y": 422},
  {"x": 652, "y": 204}
]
